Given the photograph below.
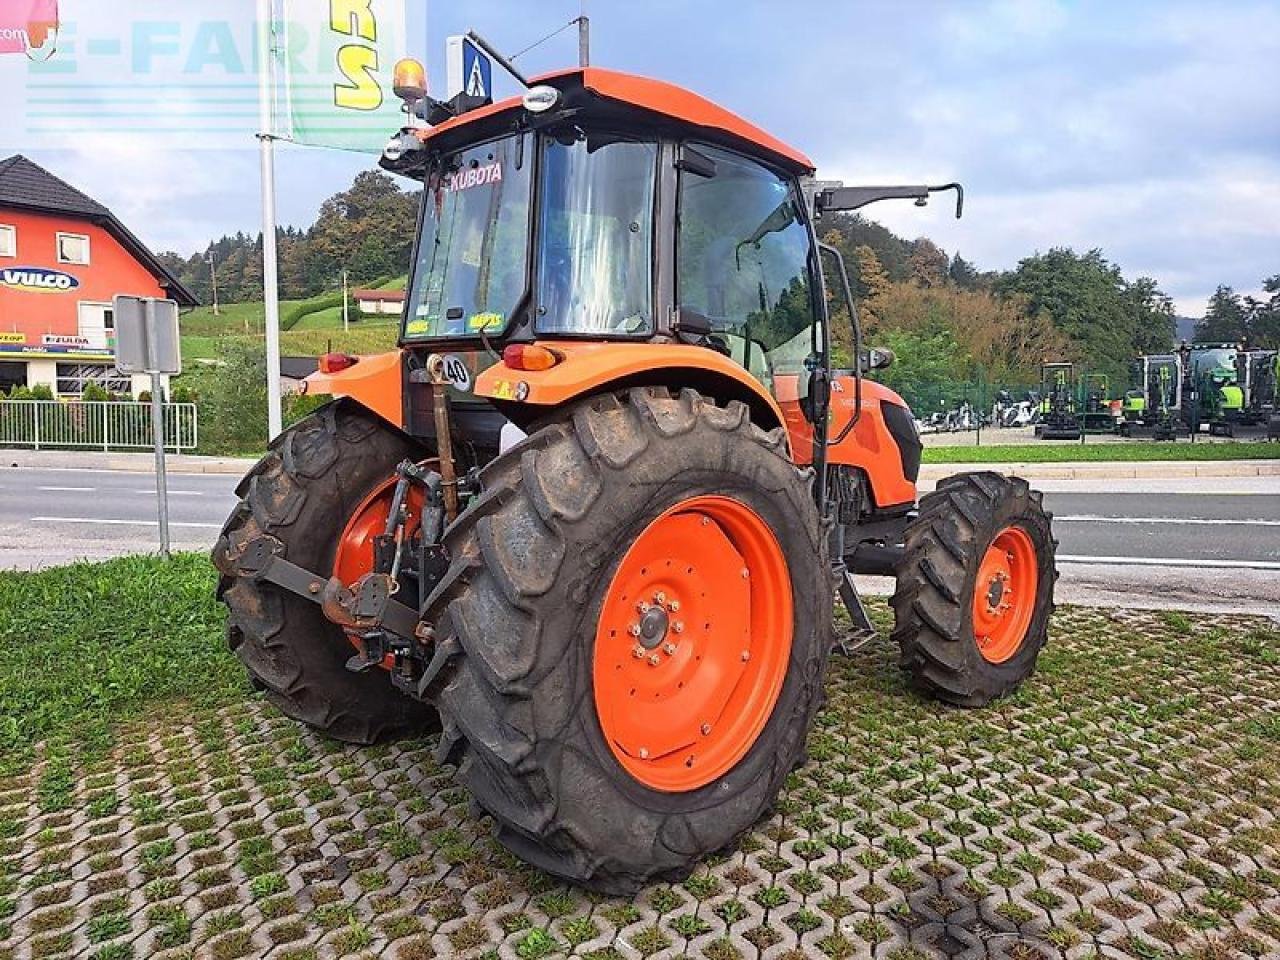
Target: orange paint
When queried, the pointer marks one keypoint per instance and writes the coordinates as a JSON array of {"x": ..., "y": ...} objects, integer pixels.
[
  {"x": 1004, "y": 594},
  {"x": 587, "y": 366},
  {"x": 376, "y": 382},
  {"x": 647, "y": 94},
  {"x": 693, "y": 643},
  {"x": 869, "y": 446}
]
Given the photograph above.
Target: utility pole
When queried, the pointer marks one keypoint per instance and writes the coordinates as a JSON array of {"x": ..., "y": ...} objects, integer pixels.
[
  {"x": 584, "y": 37},
  {"x": 213, "y": 280},
  {"x": 266, "y": 142},
  {"x": 346, "y": 319}
]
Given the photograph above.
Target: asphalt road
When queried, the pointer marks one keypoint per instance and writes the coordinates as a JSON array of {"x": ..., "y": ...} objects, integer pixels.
[{"x": 1199, "y": 544}]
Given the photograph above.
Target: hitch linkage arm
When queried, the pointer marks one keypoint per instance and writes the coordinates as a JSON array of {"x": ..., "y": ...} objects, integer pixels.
[{"x": 834, "y": 199}]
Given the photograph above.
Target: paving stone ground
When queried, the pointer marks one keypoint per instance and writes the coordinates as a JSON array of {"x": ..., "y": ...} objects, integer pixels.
[{"x": 1123, "y": 804}]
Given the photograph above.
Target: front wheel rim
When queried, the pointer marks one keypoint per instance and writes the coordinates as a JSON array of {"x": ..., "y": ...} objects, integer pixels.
[
  {"x": 693, "y": 643},
  {"x": 1004, "y": 594}
]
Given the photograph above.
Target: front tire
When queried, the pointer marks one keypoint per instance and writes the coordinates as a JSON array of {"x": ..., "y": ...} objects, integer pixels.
[
  {"x": 975, "y": 588},
  {"x": 543, "y": 563}
]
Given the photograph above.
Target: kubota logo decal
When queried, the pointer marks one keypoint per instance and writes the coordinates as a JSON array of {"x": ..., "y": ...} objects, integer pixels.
[{"x": 37, "y": 280}]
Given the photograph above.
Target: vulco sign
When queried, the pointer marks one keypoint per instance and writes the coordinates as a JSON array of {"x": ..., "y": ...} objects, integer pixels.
[{"x": 37, "y": 280}]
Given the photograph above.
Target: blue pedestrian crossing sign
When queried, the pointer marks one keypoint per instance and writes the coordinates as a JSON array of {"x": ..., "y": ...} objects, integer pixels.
[{"x": 470, "y": 70}]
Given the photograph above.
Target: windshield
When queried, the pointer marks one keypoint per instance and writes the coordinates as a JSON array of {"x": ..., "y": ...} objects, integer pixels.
[
  {"x": 473, "y": 252},
  {"x": 1219, "y": 360},
  {"x": 596, "y": 236}
]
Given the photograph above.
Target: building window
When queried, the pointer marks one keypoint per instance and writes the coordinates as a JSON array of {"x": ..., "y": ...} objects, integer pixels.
[
  {"x": 8, "y": 241},
  {"x": 74, "y": 377},
  {"x": 73, "y": 248}
]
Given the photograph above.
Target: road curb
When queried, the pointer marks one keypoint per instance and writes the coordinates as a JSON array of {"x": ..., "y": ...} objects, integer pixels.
[
  {"x": 1126, "y": 470},
  {"x": 126, "y": 462},
  {"x": 929, "y": 472}
]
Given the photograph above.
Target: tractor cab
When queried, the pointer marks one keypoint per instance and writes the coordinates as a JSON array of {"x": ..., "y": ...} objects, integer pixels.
[{"x": 608, "y": 208}]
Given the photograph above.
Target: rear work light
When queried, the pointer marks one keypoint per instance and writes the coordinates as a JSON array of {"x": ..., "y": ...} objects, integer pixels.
[
  {"x": 334, "y": 362},
  {"x": 519, "y": 356}
]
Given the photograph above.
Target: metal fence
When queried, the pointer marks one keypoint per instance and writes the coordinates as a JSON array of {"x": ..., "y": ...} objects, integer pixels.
[{"x": 93, "y": 424}]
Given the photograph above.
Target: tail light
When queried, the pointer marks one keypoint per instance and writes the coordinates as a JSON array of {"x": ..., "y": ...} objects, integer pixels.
[
  {"x": 334, "y": 362},
  {"x": 520, "y": 356}
]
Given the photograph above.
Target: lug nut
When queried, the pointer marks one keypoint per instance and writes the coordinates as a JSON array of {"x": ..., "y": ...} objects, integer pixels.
[
  {"x": 706, "y": 729},
  {"x": 678, "y": 626},
  {"x": 638, "y": 652},
  {"x": 634, "y": 629},
  {"x": 673, "y": 606},
  {"x": 642, "y": 606},
  {"x": 669, "y": 649},
  {"x": 644, "y": 753},
  {"x": 746, "y": 655},
  {"x": 653, "y": 660},
  {"x": 706, "y": 521},
  {"x": 745, "y": 573},
  {"x": 659, "y": 598}
]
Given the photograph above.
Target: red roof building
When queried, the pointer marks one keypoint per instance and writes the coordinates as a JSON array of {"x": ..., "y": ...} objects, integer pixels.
[{"x": 63, "y": 257}]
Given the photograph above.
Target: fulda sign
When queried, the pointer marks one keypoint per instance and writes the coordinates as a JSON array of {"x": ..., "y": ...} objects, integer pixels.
[{"x": 37, "y": 280}]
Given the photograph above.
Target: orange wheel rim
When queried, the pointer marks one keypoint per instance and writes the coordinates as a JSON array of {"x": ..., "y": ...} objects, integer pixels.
[
  {"x": 1004, "y": 595},
  {"x": 353, "y": 557},
  {"x": 693, "y": 643}
]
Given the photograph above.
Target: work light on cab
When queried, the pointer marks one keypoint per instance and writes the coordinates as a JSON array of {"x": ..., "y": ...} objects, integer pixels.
[{"x": 541, "y": 99}]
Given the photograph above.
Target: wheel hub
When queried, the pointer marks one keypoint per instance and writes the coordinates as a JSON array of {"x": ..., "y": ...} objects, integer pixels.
[
  {"x": 693, "y": 643},
  {"x": 1004, "y": 594},
  {"x": 653, "y": 627}
]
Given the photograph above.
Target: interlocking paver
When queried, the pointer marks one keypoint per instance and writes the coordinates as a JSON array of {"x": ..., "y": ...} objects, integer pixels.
[{"x": 1123, "y": 804}]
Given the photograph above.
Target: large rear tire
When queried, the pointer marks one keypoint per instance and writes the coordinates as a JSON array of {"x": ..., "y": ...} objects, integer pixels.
[
  {"x": 314, "y": 476},
  {"x": 553, "y": 562},
  {"x": 975, "y": 588}
]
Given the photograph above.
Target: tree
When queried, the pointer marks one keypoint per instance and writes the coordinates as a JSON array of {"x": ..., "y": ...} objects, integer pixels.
[
  {"x": 1264, "y": 315},
  {"x": 1089, "y": 301},
  {"x": 962, "y": 273},
  {"x": 868, "y": 283},
  {"x": 1226, "y": 319},
  {"x": 928, "y": 264}
]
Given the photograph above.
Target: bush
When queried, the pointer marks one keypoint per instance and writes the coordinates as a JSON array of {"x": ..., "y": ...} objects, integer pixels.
[
  {"x": 41, "y": 392},
  {"x": 95, "y": 393},
  {"x": 299, "y": 310},
  {"x": 233, "y": 399}
]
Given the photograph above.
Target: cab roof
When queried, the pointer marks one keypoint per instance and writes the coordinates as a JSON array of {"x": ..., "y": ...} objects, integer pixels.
[{"x": 607, "y": 93}]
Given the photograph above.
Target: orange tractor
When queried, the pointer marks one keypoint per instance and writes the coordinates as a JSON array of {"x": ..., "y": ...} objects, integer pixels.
[{"x": 590, "y": 517}]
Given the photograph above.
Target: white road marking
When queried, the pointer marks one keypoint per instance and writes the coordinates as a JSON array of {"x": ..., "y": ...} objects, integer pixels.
[
  {"x": 1207, "y": 521},
  {"x": 173, "y": 493},
  {"x": 135, "y": 523},
  {"x": 1171, "y": 562},
  {"x": 68, "y": 489}
]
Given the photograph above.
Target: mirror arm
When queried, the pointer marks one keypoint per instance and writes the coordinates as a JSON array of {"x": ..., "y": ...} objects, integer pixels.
[{"x": 834, "y": 199}]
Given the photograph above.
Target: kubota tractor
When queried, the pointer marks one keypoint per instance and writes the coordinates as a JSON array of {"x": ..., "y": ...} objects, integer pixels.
[{"x": 589, "y": 516}]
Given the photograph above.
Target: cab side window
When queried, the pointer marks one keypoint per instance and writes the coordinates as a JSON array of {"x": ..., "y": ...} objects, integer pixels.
[{"x": 743, "y": 261}]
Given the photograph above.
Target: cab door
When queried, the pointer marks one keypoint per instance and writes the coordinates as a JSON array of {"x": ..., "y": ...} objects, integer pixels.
[{"x": 745, "y": 262}]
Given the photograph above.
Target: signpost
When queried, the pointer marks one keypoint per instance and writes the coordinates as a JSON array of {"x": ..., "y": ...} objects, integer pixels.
[
  {"x": 468, "y": 69},
  {"x": 147, "y": 342}
]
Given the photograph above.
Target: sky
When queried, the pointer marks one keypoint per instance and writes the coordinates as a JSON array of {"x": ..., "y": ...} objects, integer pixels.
[{"x": 1148, "y": 128}]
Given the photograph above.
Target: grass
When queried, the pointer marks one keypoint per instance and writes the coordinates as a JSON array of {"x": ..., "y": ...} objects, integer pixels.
[
  {"x": 93, "y": 643},
  {"x": 1132, "y": 450}
]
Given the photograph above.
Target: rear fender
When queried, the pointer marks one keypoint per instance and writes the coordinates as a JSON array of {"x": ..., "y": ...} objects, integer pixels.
[
  {"x": 375, "y": 381},
  {"x": 587, "y": 369}
]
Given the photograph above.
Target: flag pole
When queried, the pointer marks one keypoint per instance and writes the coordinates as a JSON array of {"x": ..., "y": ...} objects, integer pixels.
[{"x": 266, "y": 147}]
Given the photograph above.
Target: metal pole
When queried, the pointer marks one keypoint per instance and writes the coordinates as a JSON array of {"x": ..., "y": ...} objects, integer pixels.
[
  {"x": 266, "y": 141},
  {"x": 157, "y": 433},
  {"x": 213, "y": 280},
  {"x": 584, "y": 41},
  {"x": 346, "y": 320}
]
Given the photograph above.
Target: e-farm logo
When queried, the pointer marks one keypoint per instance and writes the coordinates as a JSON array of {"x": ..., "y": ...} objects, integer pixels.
[{"x": 37, "y": 280}]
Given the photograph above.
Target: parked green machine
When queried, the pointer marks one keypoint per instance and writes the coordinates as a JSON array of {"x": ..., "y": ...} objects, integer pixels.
[
  {"x": 1096, "y": 412},
  {"x": 1258, "y": 377},
  {"x": 1156, "y": 405},
  {"x": 1212, "y": 388},
  {"x": 1058, "y": 402}
]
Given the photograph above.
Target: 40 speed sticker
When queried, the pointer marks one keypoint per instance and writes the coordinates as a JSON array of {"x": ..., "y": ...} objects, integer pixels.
[{"x": 456, "y": 373}]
